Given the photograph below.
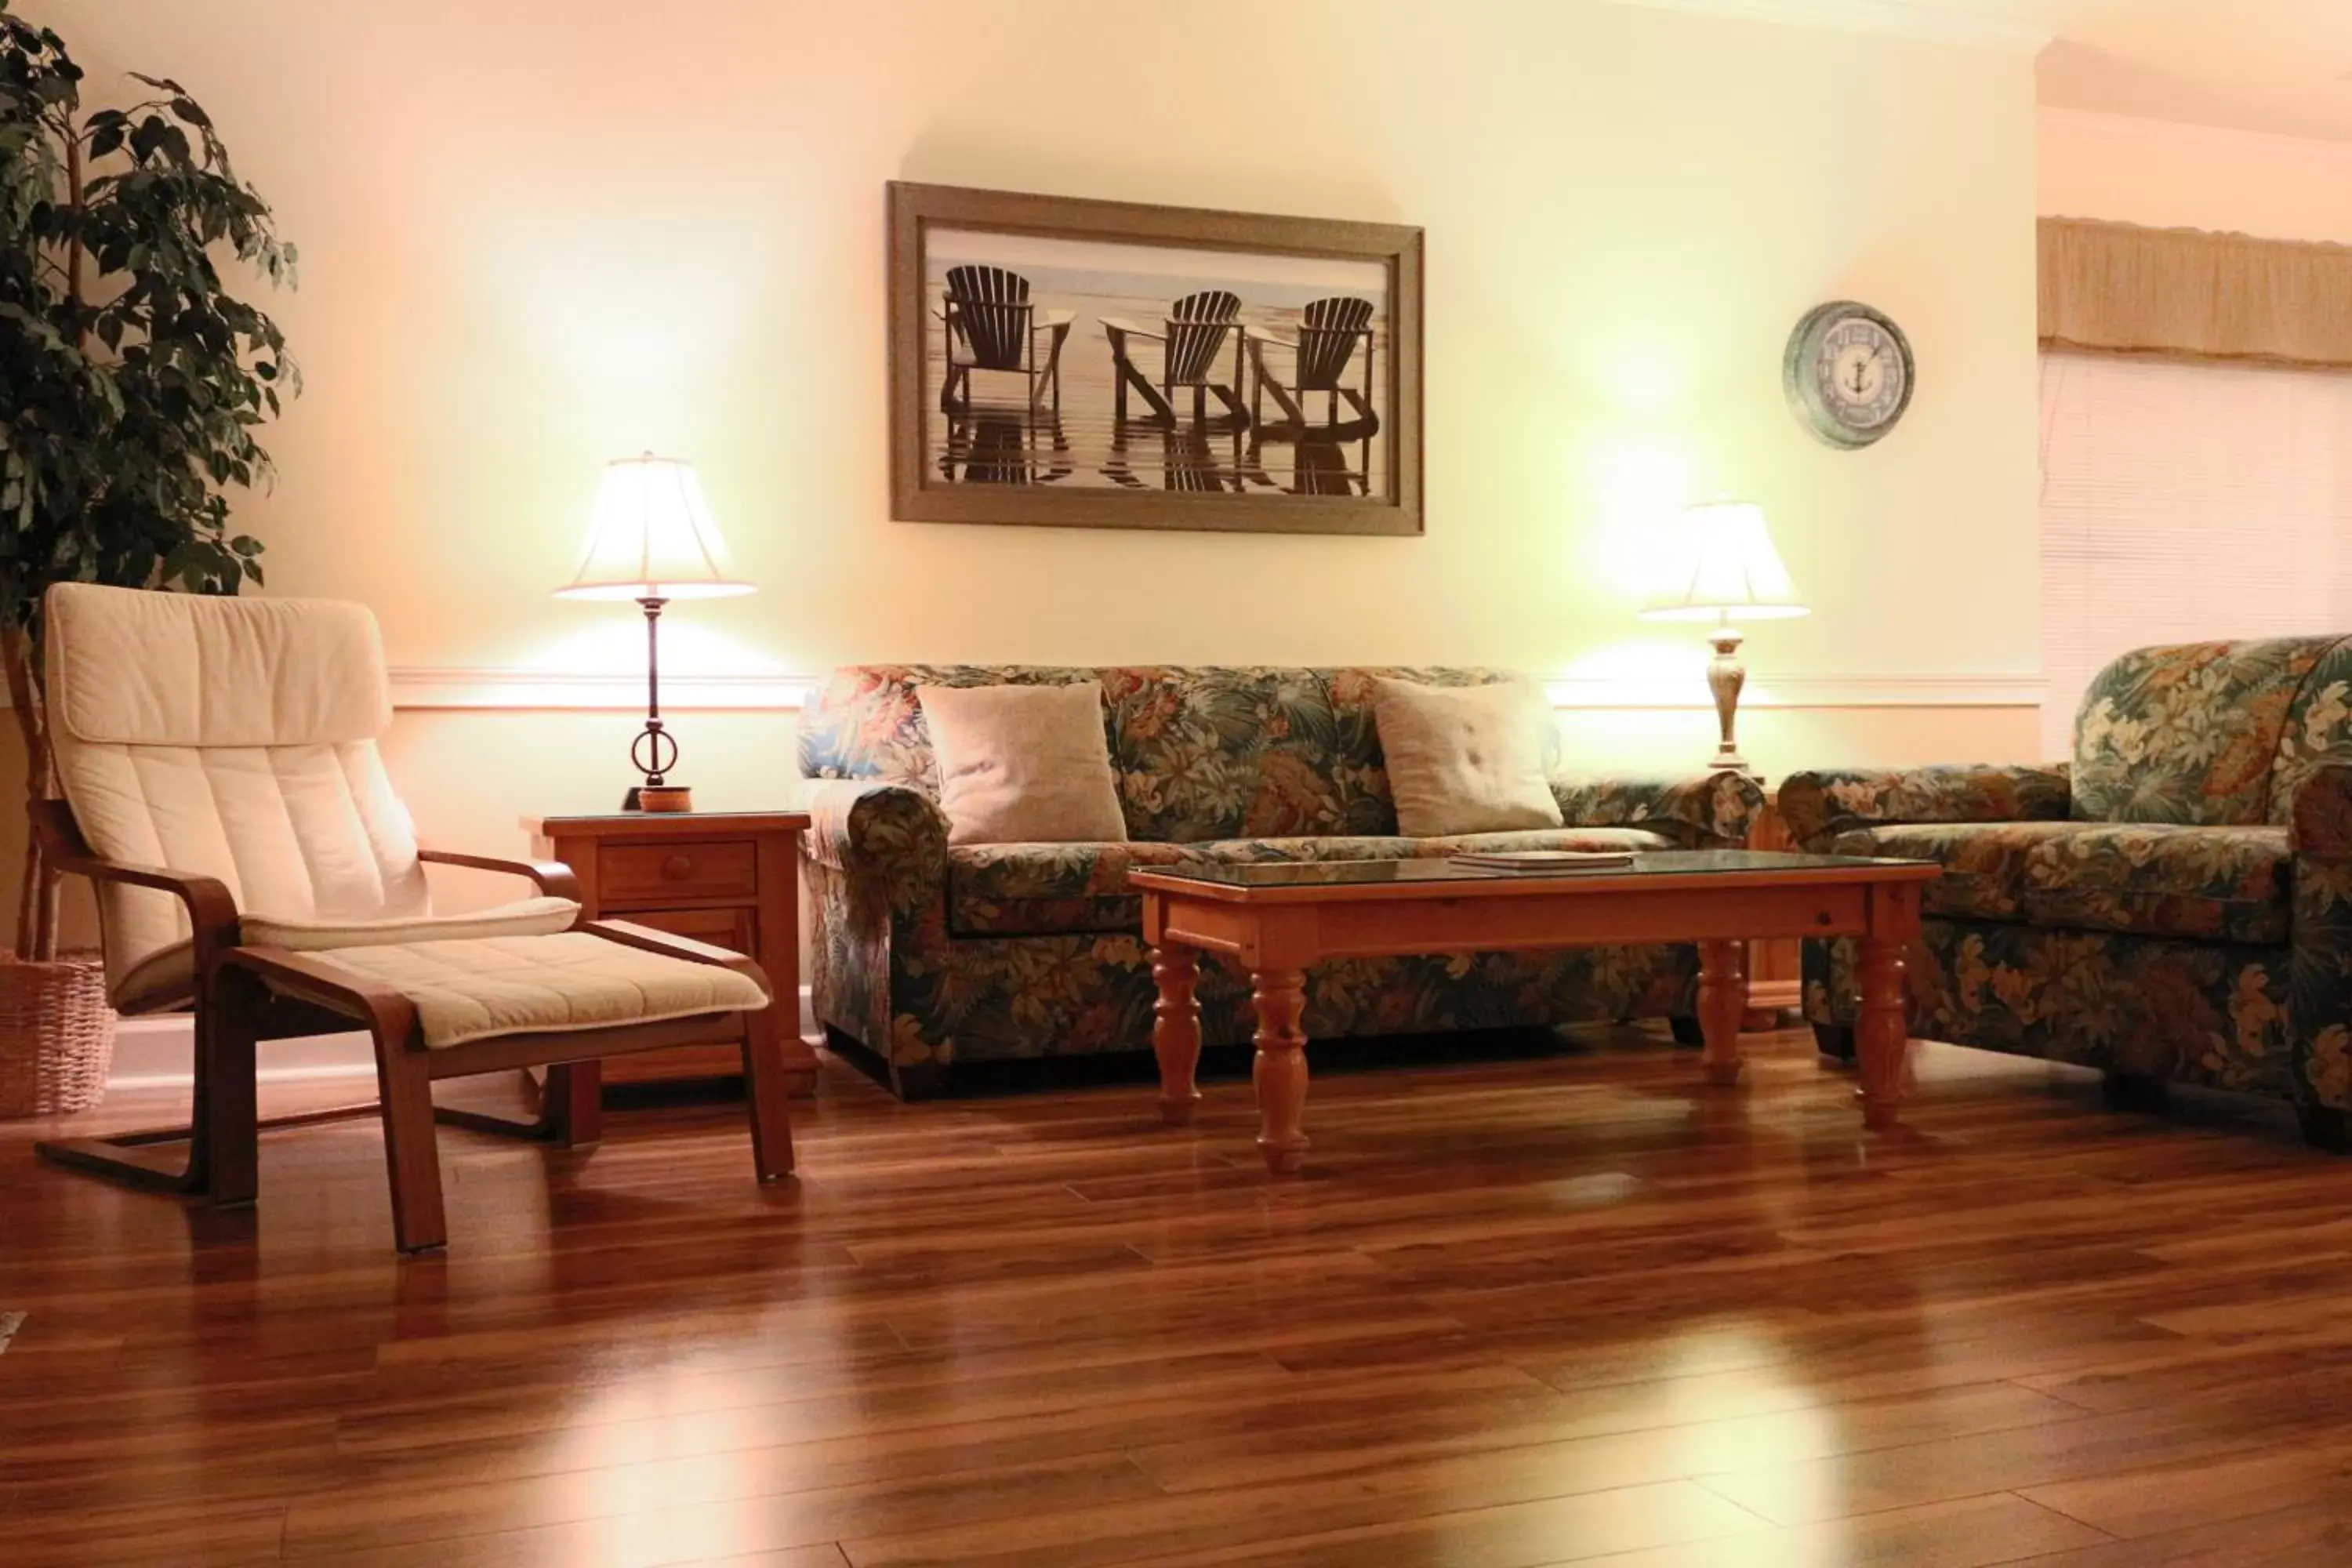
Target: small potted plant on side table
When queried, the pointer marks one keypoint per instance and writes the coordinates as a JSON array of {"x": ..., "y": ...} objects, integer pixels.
[{"x": 130, "y": 384}]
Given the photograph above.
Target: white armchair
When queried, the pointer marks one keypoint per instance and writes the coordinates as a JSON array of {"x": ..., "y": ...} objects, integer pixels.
[{"x": 224, "y": 789}]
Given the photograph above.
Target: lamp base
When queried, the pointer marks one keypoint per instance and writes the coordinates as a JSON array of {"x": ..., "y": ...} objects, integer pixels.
[
  {"x": 1725, "y": 677},
  {"x": 658, "y": 797}
]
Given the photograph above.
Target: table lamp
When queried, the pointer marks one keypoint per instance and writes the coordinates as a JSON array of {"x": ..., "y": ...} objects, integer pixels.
[
  {"x": 1724, "y": 568},
  {"x": 652, "y": 540}
]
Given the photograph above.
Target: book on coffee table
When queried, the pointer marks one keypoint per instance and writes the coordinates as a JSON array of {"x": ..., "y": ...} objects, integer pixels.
[{"x": 1545, "y": 859}]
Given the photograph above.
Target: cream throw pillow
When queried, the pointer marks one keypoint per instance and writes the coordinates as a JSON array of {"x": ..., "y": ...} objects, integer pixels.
[
  {"x": 1024, "y": 765},
  {"x": 1465, "y": 759}
]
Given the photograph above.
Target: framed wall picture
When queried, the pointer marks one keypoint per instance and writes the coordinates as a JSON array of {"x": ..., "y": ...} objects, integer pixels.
[{"x": 1106, "y": 365}]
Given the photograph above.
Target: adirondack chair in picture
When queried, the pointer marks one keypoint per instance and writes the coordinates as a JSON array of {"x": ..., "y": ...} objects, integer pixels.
[
  {"x": 1329, "y": 332},
  {"x": 998, "y": 448},
  {"x": 1184, "y": 460},
  {"x": 993, "y": 326},
  {"x": 1192, "y": 339},
  {"x": 1319, "y": 466}
]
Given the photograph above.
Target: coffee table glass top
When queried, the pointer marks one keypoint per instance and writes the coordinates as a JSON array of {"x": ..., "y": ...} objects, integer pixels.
[{"x": 1645, "y": 863}]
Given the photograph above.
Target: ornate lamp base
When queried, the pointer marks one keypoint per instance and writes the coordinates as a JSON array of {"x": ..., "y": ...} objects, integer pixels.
[
  {"x": 1725, "y": 676},
  {"x": 655, "y": 750}
]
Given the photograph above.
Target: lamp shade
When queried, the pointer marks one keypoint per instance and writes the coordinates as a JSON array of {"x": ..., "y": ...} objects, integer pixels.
[
  {"x": 1724, "y": 567},
  {"x": 652, "y": 537}
]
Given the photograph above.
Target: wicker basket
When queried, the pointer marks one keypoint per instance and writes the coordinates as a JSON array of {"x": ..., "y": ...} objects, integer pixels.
[{"x": 57, "y": 1035}]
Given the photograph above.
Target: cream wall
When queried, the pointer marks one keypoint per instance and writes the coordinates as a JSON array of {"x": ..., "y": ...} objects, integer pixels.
[
  {"x": 2168, "y": 176},
  {"x": 537, "y": 234}
]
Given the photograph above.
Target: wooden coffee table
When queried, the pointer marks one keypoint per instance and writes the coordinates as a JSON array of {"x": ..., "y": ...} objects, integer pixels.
[{"x": 1278, "y": 918}]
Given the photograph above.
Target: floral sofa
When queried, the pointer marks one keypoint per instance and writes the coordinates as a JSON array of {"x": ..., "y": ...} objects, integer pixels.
[
  {"x": 2175, "y": 905},
  {"x": 930, "y": 956}
]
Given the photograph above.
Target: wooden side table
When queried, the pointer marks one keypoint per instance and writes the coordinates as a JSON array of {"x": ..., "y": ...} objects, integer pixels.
[
  {"x": 731, "y": 879},
  {"x": 1776, "y": 971}
]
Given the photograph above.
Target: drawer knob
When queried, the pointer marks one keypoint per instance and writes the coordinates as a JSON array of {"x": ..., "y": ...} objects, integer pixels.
[{"x": 678, "y": 867}]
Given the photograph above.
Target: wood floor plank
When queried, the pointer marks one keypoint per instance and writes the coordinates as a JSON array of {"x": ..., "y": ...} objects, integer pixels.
[
  {"x": 1966, "y": 1532},
  {"x": 1520, "y": 1312}
]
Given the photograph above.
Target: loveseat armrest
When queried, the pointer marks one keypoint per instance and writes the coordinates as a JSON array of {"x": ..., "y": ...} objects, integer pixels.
[
  {"x": 2319, "y": 943},
  {"x": 1819, "y": 803},
  {"x": 875, "y": 828},
  {"x": 2320, "y": 815},
  {"x": 1698, "y": 811}
]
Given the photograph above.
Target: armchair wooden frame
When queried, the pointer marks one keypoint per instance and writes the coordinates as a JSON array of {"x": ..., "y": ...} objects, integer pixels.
[{"x": 244, "y": 995}]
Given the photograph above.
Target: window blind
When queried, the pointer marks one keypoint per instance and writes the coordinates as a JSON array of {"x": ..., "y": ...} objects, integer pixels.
[{"x": 2185, "y": 500}]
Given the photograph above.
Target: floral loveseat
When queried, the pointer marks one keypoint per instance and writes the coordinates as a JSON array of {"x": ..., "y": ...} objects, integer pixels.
[
  {"x": 931, "y": 956},
  {"x": 2176, "y": 905}
]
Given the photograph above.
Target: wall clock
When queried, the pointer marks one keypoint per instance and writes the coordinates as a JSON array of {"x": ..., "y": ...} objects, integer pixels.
[{"x": 1848, "y": 374}]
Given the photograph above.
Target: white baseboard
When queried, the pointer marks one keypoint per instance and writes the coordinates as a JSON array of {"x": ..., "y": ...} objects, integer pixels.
[{"x": 158, "y": 1053}]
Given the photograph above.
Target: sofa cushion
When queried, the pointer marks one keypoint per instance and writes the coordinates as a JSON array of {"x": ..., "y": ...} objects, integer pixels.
[
  {"x": 1206, "y": 753},
  {"x": 2188, "y": 733},
  {"x": 1467, "y": 759},
  {"x": 1201, "y": 753},
  {"x": 1023, "y": 764},
  {"x": 1983, "y": 862},
  {"x": 2228, "y": 884},
  {"x": 1043, "y": 889}
]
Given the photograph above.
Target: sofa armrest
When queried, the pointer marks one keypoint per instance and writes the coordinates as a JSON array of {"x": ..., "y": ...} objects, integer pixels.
[
  {"x": 1821, "y": 804},
  {"x": 2319, "y": 937},
  {"x": 1698, "y": 811},
  {"x": 2321, "y": 815},
  {"x": 871, "y": 828}
]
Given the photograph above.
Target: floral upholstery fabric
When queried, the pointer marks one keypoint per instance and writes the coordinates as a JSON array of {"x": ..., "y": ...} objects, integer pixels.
[
  {"x": 2321, "y": 945},
  {"x": 1984, "y": 862},
  {"x": 2188, "y": 733},
  {"x": 2195, "y": 922},
  {"x": 2229, "y": 884},
  {"x": 2226, "y": 883},
  {"x": 1015, "y": 890},
  {"x": 931, "y": 958},
  {"x": 1820, "y": 806},
  {"x": 2318, "y": 730},
  {"x": 1698, "y": 811},
  {"x": 2209, "y": 1013}
]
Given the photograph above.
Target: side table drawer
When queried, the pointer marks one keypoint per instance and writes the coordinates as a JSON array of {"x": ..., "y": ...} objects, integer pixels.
[
  {"x": 736, "y": 929},
  {"x": 637, "y": 873}
]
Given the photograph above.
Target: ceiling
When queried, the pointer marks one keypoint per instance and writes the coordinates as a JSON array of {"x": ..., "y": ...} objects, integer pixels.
[{"x": 2281, "y": 65}]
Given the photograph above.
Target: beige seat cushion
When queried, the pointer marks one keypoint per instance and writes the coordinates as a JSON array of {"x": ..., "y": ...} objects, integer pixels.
[
  {"x": 1024, "y": 765},
  {"x": 1465, "y": 759},
  {"x": 166, "y": 977},
  {"x": 541, "y": 985},
  {"x": 233, "y": 739}
]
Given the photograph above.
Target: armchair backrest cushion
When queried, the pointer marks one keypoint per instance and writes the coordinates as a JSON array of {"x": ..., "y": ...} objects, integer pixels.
[
  {"x": 2192, "y": 733},
  {"x": 228, "y": 738},
  {"x": 1201, "y": 752}
]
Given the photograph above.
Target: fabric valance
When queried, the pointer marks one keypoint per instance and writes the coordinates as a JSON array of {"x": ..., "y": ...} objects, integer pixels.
[{"x": 2119, "y": 288}]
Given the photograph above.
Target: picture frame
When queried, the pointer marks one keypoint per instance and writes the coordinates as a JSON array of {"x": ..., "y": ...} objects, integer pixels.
[{"x": 1068, "y": 362}]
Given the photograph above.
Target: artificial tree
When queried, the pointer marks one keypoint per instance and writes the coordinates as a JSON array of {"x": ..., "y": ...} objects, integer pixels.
[{"x": 132, "y": 381}]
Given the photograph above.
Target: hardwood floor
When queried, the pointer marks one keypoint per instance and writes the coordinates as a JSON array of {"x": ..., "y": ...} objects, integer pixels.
[{"x": 1520, "y": 1313}]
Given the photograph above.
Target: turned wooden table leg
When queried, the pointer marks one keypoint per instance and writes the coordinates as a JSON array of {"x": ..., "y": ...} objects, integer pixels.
[
  {"x": 1280, "y": 1071},
  {"x": 1176, "y": 1031},
  {"x": 1883, "y": 1034},
  {"x": 1722, "y": 1008}
]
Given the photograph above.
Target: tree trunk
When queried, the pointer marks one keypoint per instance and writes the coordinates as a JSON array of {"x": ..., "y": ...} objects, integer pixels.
[{"x": 36, "y": 897}]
